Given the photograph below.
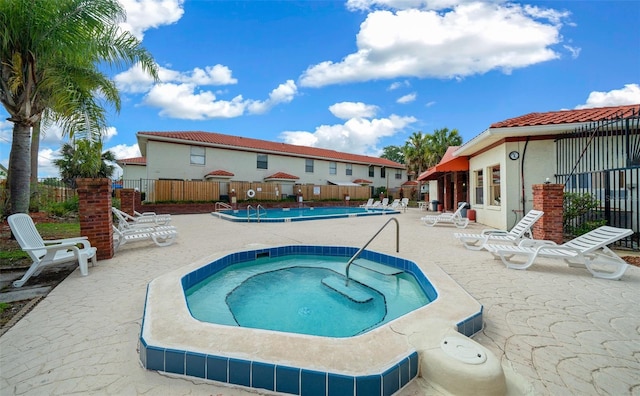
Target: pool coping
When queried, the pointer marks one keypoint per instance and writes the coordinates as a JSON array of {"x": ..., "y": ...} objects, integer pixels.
[
  {"x": 369, "y": 212},
  {"x": 177, "y": 343}
]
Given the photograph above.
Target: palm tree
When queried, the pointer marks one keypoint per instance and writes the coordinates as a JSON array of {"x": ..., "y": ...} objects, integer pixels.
[
  {"x": 50, "y": 52},
  {"x": 415, "y": 155},
  {"x": 83, "y": 158},
  {"x": 438, "y": 142}
]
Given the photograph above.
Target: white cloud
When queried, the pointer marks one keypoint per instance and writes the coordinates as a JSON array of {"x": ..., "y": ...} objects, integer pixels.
[
  {"x": 471, "y": 38},
  {"x": 284, "y": 93},
  {"x": 399, "y": 84},
  {"x": 109, "y": 133},
  {"x": 181, "y": 101},
  {"x": 347, "y": 110},
  {"x": 407, "y": 98},
  {"x": 628, "y": 95},
  {"x": 135, "y": 80},
  {"x": 147, "y": 14},
  {"x": 122, "y": 151},
  {"x": 357, "y": 135},
  {"x": 46, "y": 168}
]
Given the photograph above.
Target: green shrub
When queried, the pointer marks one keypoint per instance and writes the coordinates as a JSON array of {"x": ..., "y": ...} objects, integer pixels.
[
  {"x": 63, "y": 209},
  {"x": 575, "y": 206}
]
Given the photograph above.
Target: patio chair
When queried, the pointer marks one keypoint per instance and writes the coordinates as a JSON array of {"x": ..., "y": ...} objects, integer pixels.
[
  {"x": 368, "y": 204},
  {"x": 385, "y": 202},
  {"x": 395, "y": 204},
  {"x": 160, "y": 235},
  {"x": 51, "y": 252},
  {"x": 517, "y": 233},
  {"x": 589, "y": 250},
  {"x": 149, "y": 219},
  {"x": 454, "y": 218},
  {"x": 404, "y": 203}
]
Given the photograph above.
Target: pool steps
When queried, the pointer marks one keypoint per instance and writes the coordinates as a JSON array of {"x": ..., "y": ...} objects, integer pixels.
[{"x": 352, "y": 292}]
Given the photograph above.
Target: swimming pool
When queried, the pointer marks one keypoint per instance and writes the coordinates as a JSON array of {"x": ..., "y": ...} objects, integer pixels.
[
  {"x": 307, "y": 294},
  {"x": 427, "y": 341},
  {"x": 260, "y": 214}
]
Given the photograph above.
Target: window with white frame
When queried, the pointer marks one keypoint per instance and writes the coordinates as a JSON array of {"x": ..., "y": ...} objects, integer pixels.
[
  {"x": 308, "y": 166},
  {"x": 383, "y": 172},
  {"x": 262, "y": 161},
  {"x": 333, "y": 168},
  {"x": 479, "y": 178},
  {"x": 349, "y": 170},
  {"x": 494, "y": 185},
  {"x": 371, "y": 171},
  {"x": 398, "y": 174},
  {"x": 197, "y": 155}
]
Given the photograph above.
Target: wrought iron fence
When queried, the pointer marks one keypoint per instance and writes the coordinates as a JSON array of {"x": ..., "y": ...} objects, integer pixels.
[{"x": 602, "y": 159}]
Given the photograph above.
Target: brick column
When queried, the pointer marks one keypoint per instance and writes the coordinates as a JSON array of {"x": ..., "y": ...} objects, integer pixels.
[
  {"x": 549, "y": 199},
  {"x": 127, "y": 200},
  {"x": 95, "y": 214}
]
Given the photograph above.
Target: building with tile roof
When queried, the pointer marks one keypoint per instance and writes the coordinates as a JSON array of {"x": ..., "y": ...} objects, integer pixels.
[
  {"x": 594, "y": 150},
  {"x": 194, "y": 155}
]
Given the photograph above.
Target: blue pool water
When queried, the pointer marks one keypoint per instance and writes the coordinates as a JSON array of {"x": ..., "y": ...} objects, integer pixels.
[
  {"x": 297, "y": 214},
  {"x": 289, "y": 294}
]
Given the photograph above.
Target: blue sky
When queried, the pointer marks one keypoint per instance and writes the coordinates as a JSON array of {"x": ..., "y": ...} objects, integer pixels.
[{"x": 359, "y": 75}]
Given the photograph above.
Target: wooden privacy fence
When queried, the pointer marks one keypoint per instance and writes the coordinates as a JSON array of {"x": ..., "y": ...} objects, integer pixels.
[
  {"x": 178, "y": 190},
  {"x": 311, "y": 192},
  {"x": 184, "y": 190}
]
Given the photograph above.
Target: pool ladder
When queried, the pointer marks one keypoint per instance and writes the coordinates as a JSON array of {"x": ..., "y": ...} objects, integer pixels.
[
  {"x": 257, "y": 210},
  {"x": 355, "y": 256}
]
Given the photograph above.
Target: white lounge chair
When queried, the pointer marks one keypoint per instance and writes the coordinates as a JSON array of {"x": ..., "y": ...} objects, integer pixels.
[
  {"x": 160, "y": 235},
  {"x": 149, "y": 219},
  {"x": 589, "y": 250},
  {"x": 385, "y": 203},
  {"x": 395, "y": 204},
  {"x": 517, "y": 233},
  {"x": 51, "y": 252},
  {"x": 454, "y": 218},
  {"x": 368, "y": 204},
  {"x": 404, "y": 203}
]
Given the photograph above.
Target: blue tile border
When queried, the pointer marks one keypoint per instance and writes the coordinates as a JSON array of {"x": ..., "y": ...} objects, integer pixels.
[
  {"x": 244, "y": 219},
  {"x": 298, "y": 381}
]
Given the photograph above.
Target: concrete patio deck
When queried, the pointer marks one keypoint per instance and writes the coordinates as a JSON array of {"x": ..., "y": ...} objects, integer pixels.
[{"x": 559, "y": 328}]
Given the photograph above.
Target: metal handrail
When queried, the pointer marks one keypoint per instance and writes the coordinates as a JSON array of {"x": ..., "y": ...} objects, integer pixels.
[
  {"x": 223, "y": 205},
  {"x": 249, "y": 207},
  {"x": 258, "y": 210},
  {"x": 355, "y": 256}
]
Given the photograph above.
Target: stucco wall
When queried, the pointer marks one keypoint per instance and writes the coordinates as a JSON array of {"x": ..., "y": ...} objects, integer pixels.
[
  {"x": 515, "y": 180},
  {"x": 134, "y": 172},
  {"x": 172, "y": 161}
]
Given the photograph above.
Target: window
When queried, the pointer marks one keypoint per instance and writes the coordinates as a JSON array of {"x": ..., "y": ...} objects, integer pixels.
[
  {"x": 383, "y": 172},
  {"x": 197, "y": 155},
  {"x": 398, "y": 174},
  {"x": 479, "y": 187},
  {"x": 349, "y": 170},
  {"x": 262, "y": 162},
  {"x": 371, "y": 171},
  {"x": 308, "y": 166},
  {"x": 494, "y": 185},
  {"x": 333, "y": 168}
]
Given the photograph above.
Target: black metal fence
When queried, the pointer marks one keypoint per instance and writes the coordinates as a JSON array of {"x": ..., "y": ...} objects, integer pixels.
[{"x": 602, "y": 159}]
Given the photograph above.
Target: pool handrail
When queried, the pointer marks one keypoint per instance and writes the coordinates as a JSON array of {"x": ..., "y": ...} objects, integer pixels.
[
  {"x": 222, "y": 205},
  {"x": 355, "y": 256}
]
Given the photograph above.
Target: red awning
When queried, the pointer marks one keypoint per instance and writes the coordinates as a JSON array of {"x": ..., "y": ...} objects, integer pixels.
[{"x": 448, "y": 163}]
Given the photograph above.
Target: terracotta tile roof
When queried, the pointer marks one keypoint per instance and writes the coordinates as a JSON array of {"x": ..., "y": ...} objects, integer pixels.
[
  {"x": 410, "y": 183},
  {"x": 218, "y": 139},
  {"x": 133, "y": 161},
  {"x": 220, "y": 172},
  {"x": 282, "y": 175},
  {"x": 362, "y": 181},
  {"x": 567, "y": 116}
]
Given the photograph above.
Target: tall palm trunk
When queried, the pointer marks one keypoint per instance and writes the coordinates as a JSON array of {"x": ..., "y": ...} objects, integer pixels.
[
  {"x": 35, "y": 148},
  {"x": 20, "y": 169}
]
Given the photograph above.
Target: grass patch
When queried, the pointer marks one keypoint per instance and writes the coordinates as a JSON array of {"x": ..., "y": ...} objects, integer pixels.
[
  {"x": 59, "y": 230},
  {"x": 4, "y": 306}
]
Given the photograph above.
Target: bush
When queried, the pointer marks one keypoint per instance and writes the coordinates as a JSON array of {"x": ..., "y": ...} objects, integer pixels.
[
  {"x": 63, "y": 209},
  {"x": 575, "y": 207}
]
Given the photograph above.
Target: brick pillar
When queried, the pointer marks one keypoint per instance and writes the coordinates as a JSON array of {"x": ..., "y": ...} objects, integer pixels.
[
  {"x": 95, "y": 214},
  {"x": 127, "y": 200},
  {"x": 548, "y": 198}
]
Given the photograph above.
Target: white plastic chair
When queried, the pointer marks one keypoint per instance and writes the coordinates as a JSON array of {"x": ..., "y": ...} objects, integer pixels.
[
  {"x": 404, "y": 203},
  {"x": 51, "y": 252},
  {"x": 517, "y": 233},
  {"x": 589, "y": 250},
  {"x": 368, "y": 204},
  {"x": 454, "y": 218}
]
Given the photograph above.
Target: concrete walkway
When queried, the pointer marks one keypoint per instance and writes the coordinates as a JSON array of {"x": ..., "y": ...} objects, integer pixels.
[{"x": 562, "y": 330}]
